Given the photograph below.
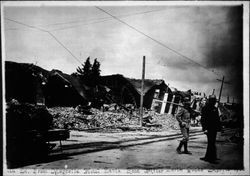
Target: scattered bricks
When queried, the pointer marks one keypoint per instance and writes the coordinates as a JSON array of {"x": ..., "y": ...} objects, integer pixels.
[{"x": 109, "y": 121}]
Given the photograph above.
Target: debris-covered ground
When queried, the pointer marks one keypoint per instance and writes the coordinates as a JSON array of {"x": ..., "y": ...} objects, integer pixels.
[
  {"x": 143, "y": 150},
  {"x": 110, "y": 121},
  {"x": 27, "y": 125}
]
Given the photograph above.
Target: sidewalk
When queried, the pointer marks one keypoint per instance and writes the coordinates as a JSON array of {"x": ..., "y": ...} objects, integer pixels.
[
  {"x": 139, "y": 150},
  {"x": 85, "y": 142}
]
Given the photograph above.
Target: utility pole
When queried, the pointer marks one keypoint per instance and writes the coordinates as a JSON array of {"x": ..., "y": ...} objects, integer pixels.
[
  {"x": 142, "y": 90},
  {"x": 222, "y": 83},
  {"x": 213, "y": 91}
]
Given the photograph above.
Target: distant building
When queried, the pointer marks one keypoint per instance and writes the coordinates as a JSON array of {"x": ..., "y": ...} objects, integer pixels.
[
  {"x": 29, "y": 83},
  {"x": 128, "y": 91},
  {"x": 153, "y": 90},
  {"x": 123, "y": 92}
]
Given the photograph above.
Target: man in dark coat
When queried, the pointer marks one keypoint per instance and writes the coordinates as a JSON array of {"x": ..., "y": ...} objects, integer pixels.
[
  {"x": 210, "y": 121},
  {"x": 183, "y": 117}
]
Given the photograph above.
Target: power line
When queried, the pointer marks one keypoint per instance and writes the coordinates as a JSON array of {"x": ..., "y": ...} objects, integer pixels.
[
  {"x": 69, "y": 27},
  {"x": 70, "y": 22},
  {"x": 76, "y": 21},
  {"x": 160, "y": 43},
  {"x": 30, "y": 26},
  {"x": 58, "y": 41},
  {"x": 212, "y": 70},
  {"x": 103, "y": 18},
  {"x": 12, "y": 29},
  {"x": 48, "y": 32},
  {"x": 110, "y": 18}
]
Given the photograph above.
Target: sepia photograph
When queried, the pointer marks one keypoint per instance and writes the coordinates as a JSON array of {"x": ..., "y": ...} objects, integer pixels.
[{"x": 134, "y": 88}]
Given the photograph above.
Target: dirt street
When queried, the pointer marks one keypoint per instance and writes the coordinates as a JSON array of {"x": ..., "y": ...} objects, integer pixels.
[{"x": 157, "y": 154}]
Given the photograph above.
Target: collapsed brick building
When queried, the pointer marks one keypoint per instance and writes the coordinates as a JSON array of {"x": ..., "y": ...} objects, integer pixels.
[
  {"x": 32, "y": 84},
  {"x": 128, "y": 91}
]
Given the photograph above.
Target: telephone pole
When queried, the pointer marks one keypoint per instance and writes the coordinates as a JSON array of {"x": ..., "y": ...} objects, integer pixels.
[
  {"x": 213, "y": 91},
  {"x": 142, "y": 90},
  {"x": 222, "y": 83},
  {"x": 228, "y": 99}
]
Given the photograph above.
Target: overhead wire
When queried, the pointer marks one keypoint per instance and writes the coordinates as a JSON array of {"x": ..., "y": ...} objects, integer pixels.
[
  {"x": 89, "y": 22},
  {"x": 58, "y": 41},
  {"x": 30, "y": 26},
  {"x": 12, "y": 29},
  {"x": 70, "y": 27},
  {"x": 103, "y": 18},
  {"x": 48, "y": 32},
  {"x": 156, "y": 41},
  {"x": 107, "y": 19},
  {"x": 121, "y": 16}
]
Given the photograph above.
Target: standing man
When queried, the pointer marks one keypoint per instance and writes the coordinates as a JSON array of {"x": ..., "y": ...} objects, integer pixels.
[
  {"x": 183, "y": 117},
  {"x": 210, "y": 121}
]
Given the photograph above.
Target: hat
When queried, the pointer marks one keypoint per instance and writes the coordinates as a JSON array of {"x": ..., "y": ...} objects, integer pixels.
[{"x": 212, "y": 97}]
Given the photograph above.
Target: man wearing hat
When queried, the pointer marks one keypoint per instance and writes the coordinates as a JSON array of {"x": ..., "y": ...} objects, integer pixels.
[
  {"x": 183, "y": 117},
  {"x": 210, "y": 121}
]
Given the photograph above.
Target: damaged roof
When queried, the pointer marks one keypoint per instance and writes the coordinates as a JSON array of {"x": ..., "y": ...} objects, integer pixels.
[
  {"x": 148, "y": 84},
  {"x": 36, "y": 71},
  {"x": 71, "y": 80}
]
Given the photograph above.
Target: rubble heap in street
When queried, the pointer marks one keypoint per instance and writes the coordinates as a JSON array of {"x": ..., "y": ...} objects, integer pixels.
[
  {"x": 167, "y": 121},
  {"x": 70, "y": 118},
  {"x": 117, "y": 120}
]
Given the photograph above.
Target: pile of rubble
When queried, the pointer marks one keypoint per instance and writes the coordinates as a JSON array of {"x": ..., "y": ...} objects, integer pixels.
[
  {"x": 70, "y": 118},
  {"x": 166, "y": 121},
  {"x": 114, "y": 121}
]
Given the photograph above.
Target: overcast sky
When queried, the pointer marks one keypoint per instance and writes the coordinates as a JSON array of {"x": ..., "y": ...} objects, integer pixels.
[{"x": 209, "y": 35}]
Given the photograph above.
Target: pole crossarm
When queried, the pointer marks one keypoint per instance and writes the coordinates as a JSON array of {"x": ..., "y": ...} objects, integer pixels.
[{"x": 225, "y": 82}]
